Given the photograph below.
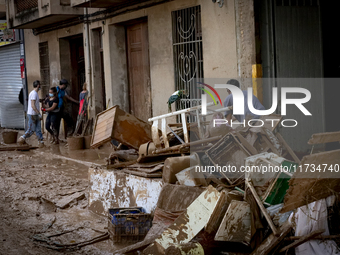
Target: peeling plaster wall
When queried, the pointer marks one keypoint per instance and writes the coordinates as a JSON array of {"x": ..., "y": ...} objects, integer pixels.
[
  {"x": 219, "y": 49},
  {"x": 111, "y": 189},
  {"x": 220, "y": 54}
]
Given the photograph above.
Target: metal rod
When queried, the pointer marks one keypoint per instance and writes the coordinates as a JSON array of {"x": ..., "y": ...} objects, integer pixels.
[
  {"x": 179, "y": 139},
  {"x": 178, "y": 112}
]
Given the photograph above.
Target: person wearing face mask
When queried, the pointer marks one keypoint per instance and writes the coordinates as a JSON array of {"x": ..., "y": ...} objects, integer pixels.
[
  {"x": 53, "y": 114},
  {"x": 63, "y": 114},
  {"x": 34, "y": 116}
]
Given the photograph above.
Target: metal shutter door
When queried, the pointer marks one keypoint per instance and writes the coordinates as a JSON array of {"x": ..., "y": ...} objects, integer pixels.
[{"x": 11, "y": 111}]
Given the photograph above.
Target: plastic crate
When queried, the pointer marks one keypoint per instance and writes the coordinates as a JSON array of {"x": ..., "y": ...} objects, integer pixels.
[{"x": 128, "y": 225}]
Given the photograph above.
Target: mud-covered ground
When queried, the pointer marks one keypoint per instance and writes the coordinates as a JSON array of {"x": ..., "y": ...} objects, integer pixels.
[{"x": 31, "y": 184}]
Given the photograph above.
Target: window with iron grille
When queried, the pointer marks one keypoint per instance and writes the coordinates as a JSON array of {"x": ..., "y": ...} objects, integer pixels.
[
  {"x": 23, "y": 5},
  {"x": 297, "y": 3},
  {"x": 188, "y": 54},
  {"x": 44, "y": 67}
]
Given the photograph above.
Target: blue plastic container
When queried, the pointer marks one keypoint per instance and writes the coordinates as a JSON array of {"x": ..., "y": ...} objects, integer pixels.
[{"x": 128, "y": 225}]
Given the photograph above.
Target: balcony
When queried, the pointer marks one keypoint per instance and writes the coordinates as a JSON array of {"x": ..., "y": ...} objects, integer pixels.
[
  {"x": 116, "y": 4},
  {"x": 40, "y": 13}
]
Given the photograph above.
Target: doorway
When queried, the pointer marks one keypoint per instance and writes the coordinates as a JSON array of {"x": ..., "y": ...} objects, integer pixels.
[
  {"x": 137, "y": 41},
  {"x": 297, "y": 48},
  {"x": 72, "y": 67},
  {"x": 98, "y": 70}
]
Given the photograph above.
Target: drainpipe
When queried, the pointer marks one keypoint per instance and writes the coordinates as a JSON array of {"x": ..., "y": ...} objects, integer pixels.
[{"x": 88, "y": 56}]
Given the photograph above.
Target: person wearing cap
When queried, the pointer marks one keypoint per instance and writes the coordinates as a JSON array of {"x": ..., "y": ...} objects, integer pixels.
[
  {"x": 34, "y": 116},
  {"x": 62, "y": 95},
  {"x": 247, "y": 113}
]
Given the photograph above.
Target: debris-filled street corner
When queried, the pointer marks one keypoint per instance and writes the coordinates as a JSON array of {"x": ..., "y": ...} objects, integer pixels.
[{"x": 169, "y": 127}]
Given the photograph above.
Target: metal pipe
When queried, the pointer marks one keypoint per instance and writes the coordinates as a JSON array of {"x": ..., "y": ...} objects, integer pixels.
[
  {"x": 88, "y": 56},
  {"x": 219, "y": 110},
  {"x": 178, "y": 112}
]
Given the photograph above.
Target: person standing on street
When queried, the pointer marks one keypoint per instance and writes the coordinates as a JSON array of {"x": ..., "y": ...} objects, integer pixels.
[
  {"x": 53, "y": 115},
  {"x": 34, "y": 116},
  {"x": 62, "y": 95}
]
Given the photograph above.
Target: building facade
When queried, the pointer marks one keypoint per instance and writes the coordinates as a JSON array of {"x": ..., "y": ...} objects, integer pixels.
[{"x": 135, "y": 54}]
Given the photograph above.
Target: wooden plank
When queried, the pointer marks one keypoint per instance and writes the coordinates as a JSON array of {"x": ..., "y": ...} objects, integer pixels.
[
  {"x": 64, "y": 202},
  {"x": 236, "y": 224},
  {"x": 290, "y": 151},
  {"x": 120, "y": 165},
  {"x": 146, "y": 169},
  {"x": 246, "y": 144},
  {"x": 151, "y": 158},
  {"x": 147, "y": 165},
  {"x": 272, "y": 241},
  {"x": 303, "y": 240},
  {"x": 308, "y": 186},
  {"x": 192, "y": 221},
  {"x": 25, "y": 147},
  {"x": 263, "y": 209},
  {"x": 142, "y": 174},
  {"x": 220, "y": 210},
  {"x": 325, "y": 138}
]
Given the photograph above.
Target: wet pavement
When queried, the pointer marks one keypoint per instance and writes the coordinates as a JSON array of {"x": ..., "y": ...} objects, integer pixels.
[{"x": 31, "y": 183}]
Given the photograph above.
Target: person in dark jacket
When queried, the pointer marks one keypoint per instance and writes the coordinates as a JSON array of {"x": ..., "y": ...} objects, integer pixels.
[{"x": 52, "y": 119}]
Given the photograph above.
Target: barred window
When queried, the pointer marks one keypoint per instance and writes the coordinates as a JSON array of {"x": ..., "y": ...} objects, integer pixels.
[
  {"x": 44, "y": 67},
  {"x": 188, "y": 53}
]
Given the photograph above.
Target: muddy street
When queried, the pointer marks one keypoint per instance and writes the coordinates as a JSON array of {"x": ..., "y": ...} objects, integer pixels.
[{"x": 44, "y": 195}]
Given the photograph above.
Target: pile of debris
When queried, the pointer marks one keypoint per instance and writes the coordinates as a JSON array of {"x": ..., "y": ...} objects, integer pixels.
[{"x": 241, "y": 190}]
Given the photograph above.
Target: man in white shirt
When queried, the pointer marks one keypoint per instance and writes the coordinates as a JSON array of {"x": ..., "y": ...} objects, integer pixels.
[{"x": 34, "y": 116}]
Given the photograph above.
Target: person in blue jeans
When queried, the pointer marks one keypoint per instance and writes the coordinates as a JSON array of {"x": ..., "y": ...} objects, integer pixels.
[
  {"x": 34, "y": 116},
  {"x": 63, "y": 98},
  {"x": 53, "y": 115}
]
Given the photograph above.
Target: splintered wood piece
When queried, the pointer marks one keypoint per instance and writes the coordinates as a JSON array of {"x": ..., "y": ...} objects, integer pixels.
[
  {"x": 290, "y": 151},
  {"x": 272, "y": 241},
  {"x": 270, "y": 145},
  {"x": 308, "y": 185},
  {"x": 263, "y": 209},
  {"x": 325, "y": 138},
  {"x": 303, "y": 240}
]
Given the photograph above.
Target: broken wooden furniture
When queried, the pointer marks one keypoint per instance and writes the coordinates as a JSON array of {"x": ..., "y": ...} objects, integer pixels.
[
  {"x": 229, "y": 152},
  {"x": 163, "y": 120},
  {"x": 114, "y": 123},
  {"x": 321, "y": 138},
  {"x": 189, "y": 223},
  {"x": 236, "y": 224}
]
